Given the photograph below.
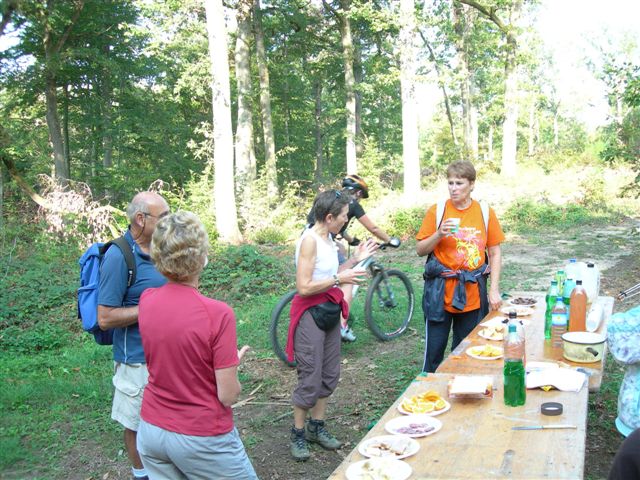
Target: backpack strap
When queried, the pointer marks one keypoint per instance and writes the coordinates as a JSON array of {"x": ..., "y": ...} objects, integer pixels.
[
  {"x": 440, "y": 212},
  {"x": 127, "y": 253},
  {"x": 484, "y": 208}
]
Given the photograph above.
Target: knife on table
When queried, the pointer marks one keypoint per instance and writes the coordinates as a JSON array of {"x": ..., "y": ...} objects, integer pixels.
[{"x": 543, "y": 427}]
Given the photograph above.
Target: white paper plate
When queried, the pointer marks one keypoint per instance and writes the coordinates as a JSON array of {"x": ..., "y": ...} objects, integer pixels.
[
  {"x": 435, "y": 413},
  {"x": 397, "y": 425},
  {"x": 480, "y": 357},
  {"x": 520, "y": 310},
  {"x": 495, "y": 321},
  {"x": 364, "y": 447},
  {"x": 483, "y": 335},
  {"x": 393, "y": 469}
]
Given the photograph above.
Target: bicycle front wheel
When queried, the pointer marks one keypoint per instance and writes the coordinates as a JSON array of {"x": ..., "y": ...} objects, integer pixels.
[
  {"x": 279, "y": 327},
  {"x": 389, "y": 304}
]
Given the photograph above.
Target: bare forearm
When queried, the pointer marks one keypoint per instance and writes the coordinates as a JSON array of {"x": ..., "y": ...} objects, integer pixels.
[
  {"x": 427, "y": 245},
  {"x": 116, "y": 317}
]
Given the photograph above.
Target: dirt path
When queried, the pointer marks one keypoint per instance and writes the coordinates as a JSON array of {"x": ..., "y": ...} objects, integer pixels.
[{"x": 528, "y": 266}]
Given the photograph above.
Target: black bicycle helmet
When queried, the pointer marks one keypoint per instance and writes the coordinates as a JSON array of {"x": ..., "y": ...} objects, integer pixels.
[{"x": 354, "y": 182}]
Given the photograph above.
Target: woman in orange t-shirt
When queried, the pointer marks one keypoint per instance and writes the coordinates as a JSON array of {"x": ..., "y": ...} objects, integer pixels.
[{"x": 455, "y": 291}]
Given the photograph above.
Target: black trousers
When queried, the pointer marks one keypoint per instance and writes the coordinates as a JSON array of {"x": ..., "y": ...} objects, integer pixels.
[
  {"x": 437, "y": 334},
  {"x": 626, "y": 464}
]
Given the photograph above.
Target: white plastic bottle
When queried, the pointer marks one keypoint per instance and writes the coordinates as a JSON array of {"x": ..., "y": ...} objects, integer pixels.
[{"x": 591, "y": 282}]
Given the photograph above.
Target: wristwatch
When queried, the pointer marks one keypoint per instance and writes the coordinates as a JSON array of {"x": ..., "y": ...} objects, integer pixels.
[{"x": 336, "y": 280}]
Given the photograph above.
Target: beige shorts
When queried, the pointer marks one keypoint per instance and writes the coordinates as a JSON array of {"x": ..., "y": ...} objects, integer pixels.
[{"x": 129, "y": 381}]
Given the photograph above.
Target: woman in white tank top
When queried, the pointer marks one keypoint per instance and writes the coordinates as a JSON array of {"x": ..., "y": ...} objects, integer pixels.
[{"x": 316, "y": 349}]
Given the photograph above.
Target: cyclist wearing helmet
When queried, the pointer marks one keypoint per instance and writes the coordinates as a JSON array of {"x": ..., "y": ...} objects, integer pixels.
[{"x": 357, "y": 189}]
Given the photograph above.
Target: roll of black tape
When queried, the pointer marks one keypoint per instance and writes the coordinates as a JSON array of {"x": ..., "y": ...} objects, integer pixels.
[{"x": 551, "y": 408}]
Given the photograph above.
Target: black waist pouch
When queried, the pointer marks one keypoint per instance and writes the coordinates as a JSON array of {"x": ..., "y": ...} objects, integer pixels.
[{"x": 326, "y": 315}]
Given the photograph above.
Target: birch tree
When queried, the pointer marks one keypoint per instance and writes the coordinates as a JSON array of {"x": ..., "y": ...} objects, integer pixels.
[
  {"x": 410, "y": 154},
  {"x": 223, "y": 188}
]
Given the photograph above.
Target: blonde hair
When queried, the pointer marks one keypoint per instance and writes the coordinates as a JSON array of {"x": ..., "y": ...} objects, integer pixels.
[{"x": 179, "y": 246}]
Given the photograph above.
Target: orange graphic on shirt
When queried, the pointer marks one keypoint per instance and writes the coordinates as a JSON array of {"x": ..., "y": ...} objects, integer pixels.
[{"x": 467, "y": 248}]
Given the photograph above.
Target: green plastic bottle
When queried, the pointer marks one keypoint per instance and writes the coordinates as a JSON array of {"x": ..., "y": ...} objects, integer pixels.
[
  {"x": 515, "y": 390},
  {"x": 552, "y": 293}
]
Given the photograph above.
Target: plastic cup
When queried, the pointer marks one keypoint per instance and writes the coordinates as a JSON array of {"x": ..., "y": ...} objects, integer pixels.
[{"x": 456, "y": 224}]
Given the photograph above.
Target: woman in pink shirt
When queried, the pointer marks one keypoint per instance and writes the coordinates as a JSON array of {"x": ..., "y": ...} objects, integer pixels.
[{"x": 189, "y": 340}]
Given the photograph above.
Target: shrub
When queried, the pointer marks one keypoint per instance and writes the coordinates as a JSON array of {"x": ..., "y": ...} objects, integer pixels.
[
  {"x": 404, "y": 222},
  {"x": 235, "y": 274}
]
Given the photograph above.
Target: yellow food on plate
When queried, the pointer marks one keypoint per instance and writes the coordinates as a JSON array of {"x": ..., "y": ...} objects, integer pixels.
[
  {"x": 493, "y": 332},
  {"x": 427, "y": 402},
  {"x": 486, "y": 351}
]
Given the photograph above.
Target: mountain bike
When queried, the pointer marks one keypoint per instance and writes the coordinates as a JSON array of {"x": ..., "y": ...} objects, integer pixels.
[{"x": 388, "y": 306}]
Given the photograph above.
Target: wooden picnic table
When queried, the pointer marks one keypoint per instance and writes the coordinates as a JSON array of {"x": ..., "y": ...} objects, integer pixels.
[
  {"x": 538, "y": 349},
  {"x": 477, "y": 441}
]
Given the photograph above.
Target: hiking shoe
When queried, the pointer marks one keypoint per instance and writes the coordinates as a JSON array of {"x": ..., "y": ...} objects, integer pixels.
[
  {"x": 299, "y": 445},
  {"x": 347, "y": 334},
  {"x": 316, "y": 433}
]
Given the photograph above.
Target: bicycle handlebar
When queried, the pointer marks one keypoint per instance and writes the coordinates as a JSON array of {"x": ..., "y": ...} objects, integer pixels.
[{"x": 393, "y": 243}]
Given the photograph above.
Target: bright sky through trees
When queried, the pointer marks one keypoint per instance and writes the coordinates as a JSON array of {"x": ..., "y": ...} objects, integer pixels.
[{"x": 576, "y": 32}]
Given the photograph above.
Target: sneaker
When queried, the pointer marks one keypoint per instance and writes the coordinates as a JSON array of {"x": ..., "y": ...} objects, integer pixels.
[
  {"x": 299, "y": 445},
  {"x": 347, "y": 334},
  {"x": 316, "y": 433}
]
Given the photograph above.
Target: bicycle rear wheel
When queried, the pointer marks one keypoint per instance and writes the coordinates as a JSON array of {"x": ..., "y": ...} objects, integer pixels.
[
  {"x": 279, "y": 327},
  {"x": 389, "y": 304}
]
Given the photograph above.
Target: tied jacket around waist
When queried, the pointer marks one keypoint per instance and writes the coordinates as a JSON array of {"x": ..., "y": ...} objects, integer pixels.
[{"x": 435, "y": 275}]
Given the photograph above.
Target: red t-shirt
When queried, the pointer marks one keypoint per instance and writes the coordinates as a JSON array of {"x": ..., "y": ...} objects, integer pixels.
[
  {"x": 464, "y": 250},
  {"x": 186, "y": 337}
]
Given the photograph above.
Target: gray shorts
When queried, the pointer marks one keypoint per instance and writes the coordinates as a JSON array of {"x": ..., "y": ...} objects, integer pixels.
[
  {"x": 317, "y": 354},
  {"x": 129, "y": 381},
  {"x": 172, "y": 456}
]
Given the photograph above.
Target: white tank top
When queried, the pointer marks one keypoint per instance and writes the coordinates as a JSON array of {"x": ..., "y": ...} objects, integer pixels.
[{"x": 326, "y": 265}]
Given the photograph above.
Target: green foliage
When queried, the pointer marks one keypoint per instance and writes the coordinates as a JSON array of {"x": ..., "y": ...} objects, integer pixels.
[
  {"x": 238, "y": 274},
  {"x": 525, "y": 215},
  {"x": 404, "y": 222},
  {"x": 269, "y": 236}
]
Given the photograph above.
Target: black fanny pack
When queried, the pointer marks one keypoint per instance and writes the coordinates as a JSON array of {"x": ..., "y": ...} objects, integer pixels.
[{"x": 326, "y": 315}]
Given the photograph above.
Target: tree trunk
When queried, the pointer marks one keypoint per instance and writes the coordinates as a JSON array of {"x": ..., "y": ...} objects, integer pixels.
[
  {"x": 460, "y": 26},
  {"x": 286, "y": 108},
  {"x": 223, "y": 188},
  {"x": 490, "y": 155},
  {"x": 510, "y": 125},
  {"x": 358, "y": 74},
  {"x": 349, "y": 85},
  {"x": 532, "y": 116},
  {"x": 245, "y": 155},
  {"x": 443, "y": 88},
  {"x": 473, "y": 121},
  {"x": 52, "y": 49},
  {"x": 270, "y": 164},
  {"x": 410, "y": 155},
  {"x": 317, "y": 90},
  {"x": 555, "y": 129},
  {"x": 65, "y": 128},
  {"x": 107, "y": 136}
]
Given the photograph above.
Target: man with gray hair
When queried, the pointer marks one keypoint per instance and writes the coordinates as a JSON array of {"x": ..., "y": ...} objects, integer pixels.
[{"x": 118, "y": 310}]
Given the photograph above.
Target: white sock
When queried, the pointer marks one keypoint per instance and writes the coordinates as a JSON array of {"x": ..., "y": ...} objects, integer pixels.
[{"x": 139, "y": 472}]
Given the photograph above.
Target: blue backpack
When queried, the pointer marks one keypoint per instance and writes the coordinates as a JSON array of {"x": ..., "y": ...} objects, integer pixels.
[{"x": 90, "y": 280}]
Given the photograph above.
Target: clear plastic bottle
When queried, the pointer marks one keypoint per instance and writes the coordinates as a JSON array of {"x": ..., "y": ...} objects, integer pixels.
[
  {"x": 550, "y": 299},
  {"x": 569, "y": 285},
  {"x": 559, "y": 320},
  {"x": 515, "y": 390},
  {"x": 578, "y": 310}
]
